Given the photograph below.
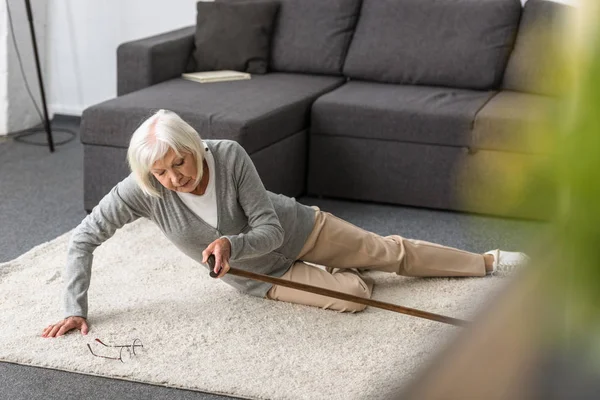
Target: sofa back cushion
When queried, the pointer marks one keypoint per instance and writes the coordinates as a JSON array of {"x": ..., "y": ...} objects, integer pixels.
[
  {"x": 455, "y": 43},
  {"x": 312, "y": 36},
  {"x": 532, "y": 66},
  {"x": 233, "y": 36}
]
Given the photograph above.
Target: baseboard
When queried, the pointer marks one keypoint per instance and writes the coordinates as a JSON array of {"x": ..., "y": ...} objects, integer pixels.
[
  {"x": 70, "y": 119},
  {"x": 66, "y": 109}
]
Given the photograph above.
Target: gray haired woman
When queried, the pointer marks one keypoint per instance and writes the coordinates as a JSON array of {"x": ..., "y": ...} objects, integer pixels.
[{"x": 207, "y": 198}]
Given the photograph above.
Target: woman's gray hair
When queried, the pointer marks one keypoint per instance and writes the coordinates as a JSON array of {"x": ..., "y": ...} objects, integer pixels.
[{"x": 152, "y": 140}]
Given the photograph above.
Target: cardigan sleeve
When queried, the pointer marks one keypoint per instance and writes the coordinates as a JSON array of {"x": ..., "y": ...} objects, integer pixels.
[
  {"x": 122, "y": 205},
  {"x": 266, "y": 233}
]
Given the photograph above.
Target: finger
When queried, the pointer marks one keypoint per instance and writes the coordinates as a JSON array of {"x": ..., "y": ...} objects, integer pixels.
[
  {"x": 218, "y": 265},
  {"x": 67, "y": 326},
  {"x": 206, "y": 253},
  {"x": 46, "y": 330},
  {"x": 84, "y": 328},
  {"x": 224, "y": 270},
  {"x": 225, "y": 258},
  {"x": 54, "y": 329},
  {"x": 63, "y": 329}
]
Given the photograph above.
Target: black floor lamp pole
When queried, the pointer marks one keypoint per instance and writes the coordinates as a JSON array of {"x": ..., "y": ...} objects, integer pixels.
[{"x": 39, "y": 74}]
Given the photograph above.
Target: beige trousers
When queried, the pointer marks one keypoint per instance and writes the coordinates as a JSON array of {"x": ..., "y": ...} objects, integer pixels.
[{"x": 344, "y": 248}]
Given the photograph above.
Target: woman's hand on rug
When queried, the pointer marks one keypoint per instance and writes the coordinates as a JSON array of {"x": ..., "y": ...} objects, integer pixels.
[
  {"x": 65, "y": 326},
  {"x": 221, "y": 248}
]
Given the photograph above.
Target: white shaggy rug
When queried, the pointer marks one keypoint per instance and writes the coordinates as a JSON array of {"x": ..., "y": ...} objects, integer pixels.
[{"x": 200, "y": 334}]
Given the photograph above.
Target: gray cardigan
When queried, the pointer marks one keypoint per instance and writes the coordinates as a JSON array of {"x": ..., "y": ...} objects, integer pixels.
[{"x": 266, "y": 231}]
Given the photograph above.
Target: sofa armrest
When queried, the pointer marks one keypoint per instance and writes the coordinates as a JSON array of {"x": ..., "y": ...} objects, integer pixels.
[{"x": 145, "y": 62}]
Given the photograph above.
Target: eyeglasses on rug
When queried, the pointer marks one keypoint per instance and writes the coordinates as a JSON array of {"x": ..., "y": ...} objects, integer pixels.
[{"x": 130, "y": 348}]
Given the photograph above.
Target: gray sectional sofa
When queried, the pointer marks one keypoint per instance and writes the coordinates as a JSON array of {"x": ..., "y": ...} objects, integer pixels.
[{"x": 409, "y": 102}]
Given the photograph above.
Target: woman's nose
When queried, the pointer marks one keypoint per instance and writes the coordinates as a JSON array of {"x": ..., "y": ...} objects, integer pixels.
[{"x": 175, "y": 177}]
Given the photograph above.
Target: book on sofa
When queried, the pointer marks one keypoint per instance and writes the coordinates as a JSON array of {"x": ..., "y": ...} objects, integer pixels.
[{"x": 215, "y": 76}]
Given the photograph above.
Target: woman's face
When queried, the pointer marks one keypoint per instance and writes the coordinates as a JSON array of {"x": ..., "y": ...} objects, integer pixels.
[{"x": 176, "y": 173}]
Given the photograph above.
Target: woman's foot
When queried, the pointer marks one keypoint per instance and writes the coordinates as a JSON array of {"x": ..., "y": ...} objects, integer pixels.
[{"x": 504, "y": 262}]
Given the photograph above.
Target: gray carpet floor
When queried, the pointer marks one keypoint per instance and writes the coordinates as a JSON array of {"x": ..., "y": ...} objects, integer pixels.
[{"x": 41, "y": 197}]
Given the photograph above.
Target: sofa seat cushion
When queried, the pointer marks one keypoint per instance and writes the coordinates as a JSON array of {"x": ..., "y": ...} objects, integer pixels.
[
  {"x": 513, "y": 121},
  {"x": 256, "y": 112},
  {"x": 458, "y": 43},
  {"x": 426, "y": 175},
  {"x": 419, "y": 114}
]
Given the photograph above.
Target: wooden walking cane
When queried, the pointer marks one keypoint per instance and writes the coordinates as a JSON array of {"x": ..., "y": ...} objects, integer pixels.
[{"x": 338, "y": 295}]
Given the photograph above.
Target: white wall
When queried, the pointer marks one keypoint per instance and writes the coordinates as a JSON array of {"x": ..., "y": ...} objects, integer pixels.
[
  {"x": 3, "y": 70},
  {"x": 83, "y": 36},
  {"x": 16, "y": 108},
  {"x": 570, "y": 2}
]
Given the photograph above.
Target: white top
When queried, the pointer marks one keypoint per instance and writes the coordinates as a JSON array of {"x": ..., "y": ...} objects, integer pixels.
[{"x": 204, "y": 206}]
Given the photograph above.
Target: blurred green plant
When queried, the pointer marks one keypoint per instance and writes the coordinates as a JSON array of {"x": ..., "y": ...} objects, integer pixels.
[
  {"x": 568, "y": 254},
  {"x": 575, "y": 269},
  {"x": 565, "y": 185}
]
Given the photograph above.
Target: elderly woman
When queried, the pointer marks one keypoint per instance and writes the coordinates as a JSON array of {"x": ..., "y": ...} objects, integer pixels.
[{"x": 207, "y": 198}]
